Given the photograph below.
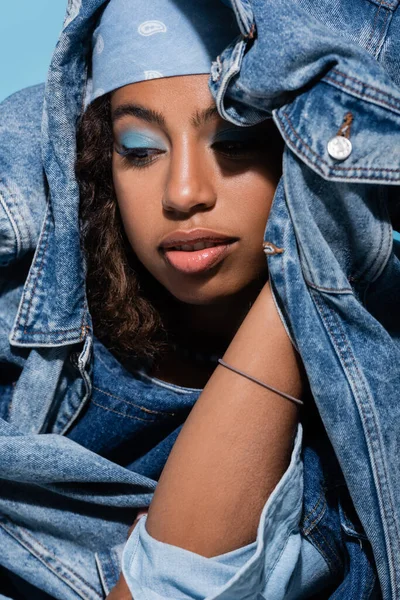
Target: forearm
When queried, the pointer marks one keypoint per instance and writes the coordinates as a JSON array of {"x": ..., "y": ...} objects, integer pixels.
[{"x": 234, "y": 446}]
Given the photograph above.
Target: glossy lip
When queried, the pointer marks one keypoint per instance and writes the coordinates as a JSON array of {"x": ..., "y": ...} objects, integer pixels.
[
  {"x": 179, "y": 238},
  {"x": 197, "y": 261}
]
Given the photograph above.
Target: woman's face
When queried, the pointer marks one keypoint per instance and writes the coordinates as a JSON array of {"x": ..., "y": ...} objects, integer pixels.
[{"x": 179, "y": 167}]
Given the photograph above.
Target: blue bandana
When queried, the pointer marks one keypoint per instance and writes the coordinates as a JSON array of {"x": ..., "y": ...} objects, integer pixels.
[{"x": 138, "y": 40}]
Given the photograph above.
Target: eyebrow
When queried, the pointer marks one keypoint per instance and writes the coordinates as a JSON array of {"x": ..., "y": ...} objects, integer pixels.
[
  {"x": 200, "y": 117},
  {"x": 140, "y": 112}
]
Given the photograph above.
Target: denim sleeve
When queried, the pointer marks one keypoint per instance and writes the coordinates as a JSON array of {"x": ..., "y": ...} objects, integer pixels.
[{"x": 280, "y": 564}]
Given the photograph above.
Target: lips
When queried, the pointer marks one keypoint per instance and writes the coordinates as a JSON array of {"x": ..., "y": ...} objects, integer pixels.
[
  {"x": 188, "y": 240},
  {"x": 196, "y": 251}
]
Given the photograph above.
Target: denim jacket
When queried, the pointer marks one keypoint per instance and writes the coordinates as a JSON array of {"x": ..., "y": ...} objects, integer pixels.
[{"x": 64, "y": 504}]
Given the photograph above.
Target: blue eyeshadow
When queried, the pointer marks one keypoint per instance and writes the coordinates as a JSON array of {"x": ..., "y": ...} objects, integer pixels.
[{"x": 136, "y": 139}]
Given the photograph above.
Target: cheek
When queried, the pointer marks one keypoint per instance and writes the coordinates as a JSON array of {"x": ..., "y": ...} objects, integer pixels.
[{"x": 252, "y": 198}]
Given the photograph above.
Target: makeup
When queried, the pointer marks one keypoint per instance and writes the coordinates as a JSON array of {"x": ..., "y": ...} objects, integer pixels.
[{"x": 132, "y": 139}]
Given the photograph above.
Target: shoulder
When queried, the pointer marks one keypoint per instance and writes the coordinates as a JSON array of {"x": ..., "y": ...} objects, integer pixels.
[
  {"x": 22, "y": 183},
  {"x": 29, "y": 99}
]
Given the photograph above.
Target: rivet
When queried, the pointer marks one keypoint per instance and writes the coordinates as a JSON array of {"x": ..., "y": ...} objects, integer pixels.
[
  {"x": 270, "y": 248},
  {"x": 339, "y": 147}
]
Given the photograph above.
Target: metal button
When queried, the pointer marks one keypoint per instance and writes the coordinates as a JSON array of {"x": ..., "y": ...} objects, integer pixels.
[{"x": 339, "y": 147}]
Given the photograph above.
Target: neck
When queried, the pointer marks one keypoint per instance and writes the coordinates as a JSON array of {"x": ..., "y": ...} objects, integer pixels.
[{"x": 210, "y": 328}]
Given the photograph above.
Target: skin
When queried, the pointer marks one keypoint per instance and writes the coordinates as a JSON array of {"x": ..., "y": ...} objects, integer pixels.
[
  {"x": 190, "y": 180},
  {"x": 203, "y": 172}
]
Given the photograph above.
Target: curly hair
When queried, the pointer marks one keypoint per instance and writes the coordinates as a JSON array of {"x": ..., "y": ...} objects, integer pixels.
[{"x": 124, "y": 298}]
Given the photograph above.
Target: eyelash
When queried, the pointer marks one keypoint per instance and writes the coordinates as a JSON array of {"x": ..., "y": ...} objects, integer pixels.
[
  {"x": 237, "y": 149},
  {"x": 133, "y": 157},
  {"x": 231, "y": 149}
]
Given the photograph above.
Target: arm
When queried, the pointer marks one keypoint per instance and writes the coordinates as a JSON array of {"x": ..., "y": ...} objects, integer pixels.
[{"x": 238, "y": 437}]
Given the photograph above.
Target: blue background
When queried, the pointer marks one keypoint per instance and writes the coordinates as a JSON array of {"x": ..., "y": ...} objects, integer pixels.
[{"x": 28, "y": 34}]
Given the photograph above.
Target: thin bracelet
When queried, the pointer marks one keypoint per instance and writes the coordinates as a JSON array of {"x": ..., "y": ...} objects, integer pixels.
[{"x": 269, "y": 387}]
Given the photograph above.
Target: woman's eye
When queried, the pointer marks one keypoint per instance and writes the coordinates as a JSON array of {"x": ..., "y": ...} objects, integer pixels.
[
  {"x": 139, "y": 157},
  {"x": 236, "y": 149}
]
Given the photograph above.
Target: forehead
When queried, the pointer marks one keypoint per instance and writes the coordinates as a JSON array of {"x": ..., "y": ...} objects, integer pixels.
[{"x": 181, "y": 97}]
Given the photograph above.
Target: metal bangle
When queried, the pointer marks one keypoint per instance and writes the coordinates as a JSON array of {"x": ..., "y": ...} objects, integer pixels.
[{"x": 268, "y": 387}]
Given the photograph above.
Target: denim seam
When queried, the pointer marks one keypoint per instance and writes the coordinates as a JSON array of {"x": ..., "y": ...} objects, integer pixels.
[
  {"x": 396, "y": 102},
  {"x": 14, "y": 226},
  {"x": 378, "y": 44},
  {"x": 390, "y": 6},
  {"x": 142, "y": 408},
  {"x": 333, "y": 167},
  {"x": 102, "y": 575},
  {"x": 233, "y": 70},
  {"x": 329, "y": 545},
  {"x": 363, "y": 95},
  {"x": 84, "y": 328},
  {"x": 328, "y": 559},
  {"x": 353, "y": 92},
  {"x": 64, "y": 576},
  {"x": 122, "y": 414},
  {"x": 13, "y": 208},
  {"x": 81, "y": 330},
  {"x": 383, "y": 505},
  {"x": 307, "y": 527},
  {"x": 45, "y": 232},
  {"x": 369, "y": 43},
  {"x": 382, "y": 34},
  {"x": 328, "y": 290}
]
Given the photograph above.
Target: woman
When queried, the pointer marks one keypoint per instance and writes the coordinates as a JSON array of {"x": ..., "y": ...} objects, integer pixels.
[
  {"x": 184, "y": 179},
  {"x": 156, "y": 162}
]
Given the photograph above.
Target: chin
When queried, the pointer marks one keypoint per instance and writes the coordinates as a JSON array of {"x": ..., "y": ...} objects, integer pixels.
[{"x": 204, "y": 295}]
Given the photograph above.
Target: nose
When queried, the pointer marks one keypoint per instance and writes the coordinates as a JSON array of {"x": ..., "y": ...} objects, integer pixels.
[{"x": 190, "y": 180}]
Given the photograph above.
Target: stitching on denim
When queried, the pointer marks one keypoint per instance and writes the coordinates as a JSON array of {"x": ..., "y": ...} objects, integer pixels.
[
  {"x": 386, "y": 4},
  {"x": 75, "y": 329},
  {"x": 20, "y": 213},
  {"x": 44, "y": 232},
  {"x": 307, "y": 527},
  {"x": 65, "y": 576},
  {"x": 367, "y": 47},
  {"x": 333, "y": 167},
  {"x": 381, "y": 35},
  {"x": 143, "y": 408},
  {"x": 122, "y": 414},
  {"x": 327, "y": 558},
  {"x": 14, "y": 226},
  {"x": 370, "y": 87},
  {"x": 81, "y": 329},
  {"x": 361, "y": 408},
  {"x": 326, "y": 289},
  {"x": 363, "y": 94},
  {"x": 331, "y": 548},
  {"x": 42, "y": 235}
]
